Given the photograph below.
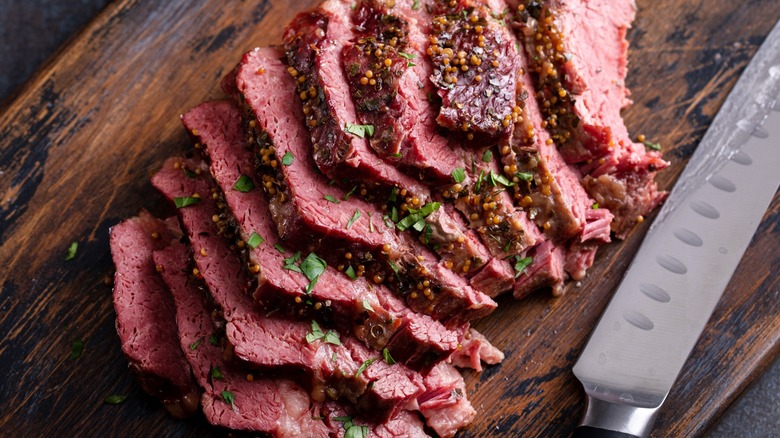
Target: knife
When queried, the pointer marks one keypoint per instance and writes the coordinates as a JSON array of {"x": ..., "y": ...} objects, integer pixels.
[{"x": 687, "y": 258}]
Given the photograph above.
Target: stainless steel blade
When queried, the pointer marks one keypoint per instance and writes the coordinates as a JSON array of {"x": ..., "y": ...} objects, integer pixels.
[{"x": 688, "y": 257}]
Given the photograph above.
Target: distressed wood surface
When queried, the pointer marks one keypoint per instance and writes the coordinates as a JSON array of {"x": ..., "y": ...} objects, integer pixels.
[{"x": 78, "y": 142}]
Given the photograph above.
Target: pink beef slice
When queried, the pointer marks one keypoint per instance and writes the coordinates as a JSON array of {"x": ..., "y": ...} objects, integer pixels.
[
  {"x": 313, "y": 44},
  {"x": 412, "y": 338},
  {"x": 340, "y": 419},
  {"x": 328, "y": 110},
  {"x": 444, "y": 404},
  {"x": 495, "y": 278},
  {"x": 474, "y": 69},
  {"x": 278, "y": 407},
  {"x": 585, "y": 94},
  {"x": 394, "y": 99},
  {"x": 272, "y": 342},
  {"x": 145, "y": 314},
  {"x": 475, "y": 349},
  {"x": 351, "y": 225},
  {"x": 546, "y": 270}
]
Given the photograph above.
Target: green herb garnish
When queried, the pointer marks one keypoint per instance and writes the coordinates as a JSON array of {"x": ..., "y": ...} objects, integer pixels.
[
  {"x": 595, "y": 206},
  {"x": 350, "y": 271},
  {"x": 330, "y": 198},
  {"x": 214, "y": 340},
  {"x": 349, "y": 193},
  {"x": 365, "y": 366},
  {"x": 331, "y": 337},
  {"x": 72, "y": 251},
  {"x": 76, "y": 348},
  {"x": 521, "y": 264},
  {"x": 487, "y": 156},
  {"x": 114, "y": 399},
  {"x": 355, "y": 217},
  {"x": 279, "y": 247},
  {"x": 185, "y": 201},
  {"x": 216, "y": 373},
  {"x": 416, "y": 217},
  {"x": 386, "y": 356},
  {"x": 525, "y": 176},
  {"x": 459, "y": 175},
  {"x": 653, "y": 146},
  {"x": 360, "y": 130},
  {"x": 244, "y": 184},
  {"x": 196, "y": 344},
  {"x": 367, "y": 306},
  {"x": 312, "y": 267},
  {"x": 288, "y": 158},
  {"x": 255, "y": 240},
  {"x": 291, "y": 263},
  {"x": 229, "y": 399}
]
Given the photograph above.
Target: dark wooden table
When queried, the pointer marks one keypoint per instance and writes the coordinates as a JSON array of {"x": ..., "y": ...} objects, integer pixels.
[{"x": 78, "y": 141}]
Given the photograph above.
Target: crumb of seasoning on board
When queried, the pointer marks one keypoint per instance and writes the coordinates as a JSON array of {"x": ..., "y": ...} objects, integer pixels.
[
  {"x": 72, "y": 249},
  {"x": 76, "y": 349},
  {"x": 114, "y": 399}
]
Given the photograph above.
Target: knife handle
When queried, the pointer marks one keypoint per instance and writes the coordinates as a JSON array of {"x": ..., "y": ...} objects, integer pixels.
[
  {"x": 595, "y": 432},
  {"x": 611, "y": 419}
]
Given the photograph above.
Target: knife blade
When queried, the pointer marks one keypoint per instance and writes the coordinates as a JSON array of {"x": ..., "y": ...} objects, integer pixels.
[{"x": 687, "y": 258}]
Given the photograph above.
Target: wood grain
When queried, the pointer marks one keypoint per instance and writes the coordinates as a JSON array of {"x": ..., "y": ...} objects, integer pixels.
[{"x": 78, "y": 143}]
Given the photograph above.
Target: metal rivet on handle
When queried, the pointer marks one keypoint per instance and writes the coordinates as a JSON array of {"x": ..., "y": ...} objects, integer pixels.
[
  {"x": 688, "y": 236},
  {"x": 722, "y": 183},
  {"x": 655, "y": 292},
  {"x": 705, "y": 209},
  {"x": 671, "y": 264},
  {"x": 638, "y": 320}
]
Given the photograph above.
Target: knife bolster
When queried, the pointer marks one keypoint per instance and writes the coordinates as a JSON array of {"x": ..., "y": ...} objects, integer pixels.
[{"x": 630, "y": 420}]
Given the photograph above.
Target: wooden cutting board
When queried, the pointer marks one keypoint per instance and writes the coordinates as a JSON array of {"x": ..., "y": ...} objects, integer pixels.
[{"x": 78, "y": 143}]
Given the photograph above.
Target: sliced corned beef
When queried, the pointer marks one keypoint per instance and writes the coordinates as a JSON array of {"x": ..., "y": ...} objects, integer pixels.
[
  {"x": 145, "y": 314},
  {"x": 546, "y": 270},
  {"x": 444, "y": 404},
  {"x": 354, "y": 227},
  {"x": 269, "y": 341},
  {"x": 475, "y": 349},
  {"x": 390, "y": 49},
  {"x": 474, "y": 70},
  {"x": 495, "y": 278},
  {"x": 313, "y": 43},
  {"x": 341, "y": 420},
  {"x": 414, "y": 339},
  {"x": 234, "y": 396},
  {"x": 583, "y": 91}
]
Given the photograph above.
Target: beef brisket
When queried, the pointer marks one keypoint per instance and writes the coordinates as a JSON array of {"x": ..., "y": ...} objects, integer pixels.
[
  {"x": 444, "y": 404},
  {"x": 474, "y": 70},
  {"x": 412, "y": 338},
  {"x": 355, "y": 230},
  {"x": 475, "y": 349},
  {"x": 234, "y": 396},
  {"x": 546, "y": 270},
  {"x": 583, "y": 91},
  {"x": 145, "y": 314},
  {"x": 268, "y": 341}
]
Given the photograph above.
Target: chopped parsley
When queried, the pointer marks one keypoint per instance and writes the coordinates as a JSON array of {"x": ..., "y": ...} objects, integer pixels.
[
  {"x": 427, "y": 234},
  {"x": 349, "y": 193},
  {"x": 287, "y": 159},
  {"x": 653, "y": 146},
  {"x": 255, "y": 240},
  {"x": 350, "y": 429},
  {"x": 76, "y": 348},
  {"x": 291, "y": 263},
  {"x": 393, "y": 194},
  {"x": 330, "y": 198},
  {"x": 312, "y": 267},
  {"x": 213, "y": 340},
  {"x": 459, "y": 175},
  {"x": 496, "y": 179},
  {"x": 479, "y": 181},
  {"x": 416, "y": 217},
  {"x": 394, "y": 215},
  {"x": 114, "y": 399},
  {"x": 229, "y": 399},
  {"x": 407, "y": 55},
  {"x": 196, "y": 344},
  {"x": 360, "y": 130},
  {"x": 386, "y": 356},
  {"x": 185, "y": 201},
  {"x": 365, "y": 366},
  {"x": 595, "y": 206},
  {"x": 331, "y": 337},
  {"x": 521, "y": 264},
  {"x": 244, "y": 184},
  {"x": 279, "y": 247},
  {"x": 525, "y": 176},
  {"x": 72, "y": 251},
  {"x": 355, "y": 217},
  {"x": 367, "y": 306},
  {"x": 416, "y": 5},
  {"x": 351, "y": 272},
  {"x": 394, "y": 267},
  {"x": 487, "y": 156},
  {"x": 216, "y": 373}
]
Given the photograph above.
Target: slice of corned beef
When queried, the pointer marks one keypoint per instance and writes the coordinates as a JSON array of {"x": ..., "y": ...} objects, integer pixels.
[
  {"x": 328, "y": 112},
  {"x": 355, "y": 231},
  {"x": 272, "y": 342},
  {"x": 444, "y": 404},
  {"x": 373, "y": 313},
  {"x": 234, "y": 396},
  {"x": 475, "y": 349},
  {"x": 341, "y": 420},
  {"x": 390, "y": 49},
  {"x": 494, "y": 279},
  {"x": 473, "y": 69},
  {"x": 145, "y": 314},
  {"x": 546, "y": 270},
  {"x": 583, "y": 91},
  {"x": 313, "y": 43}
]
